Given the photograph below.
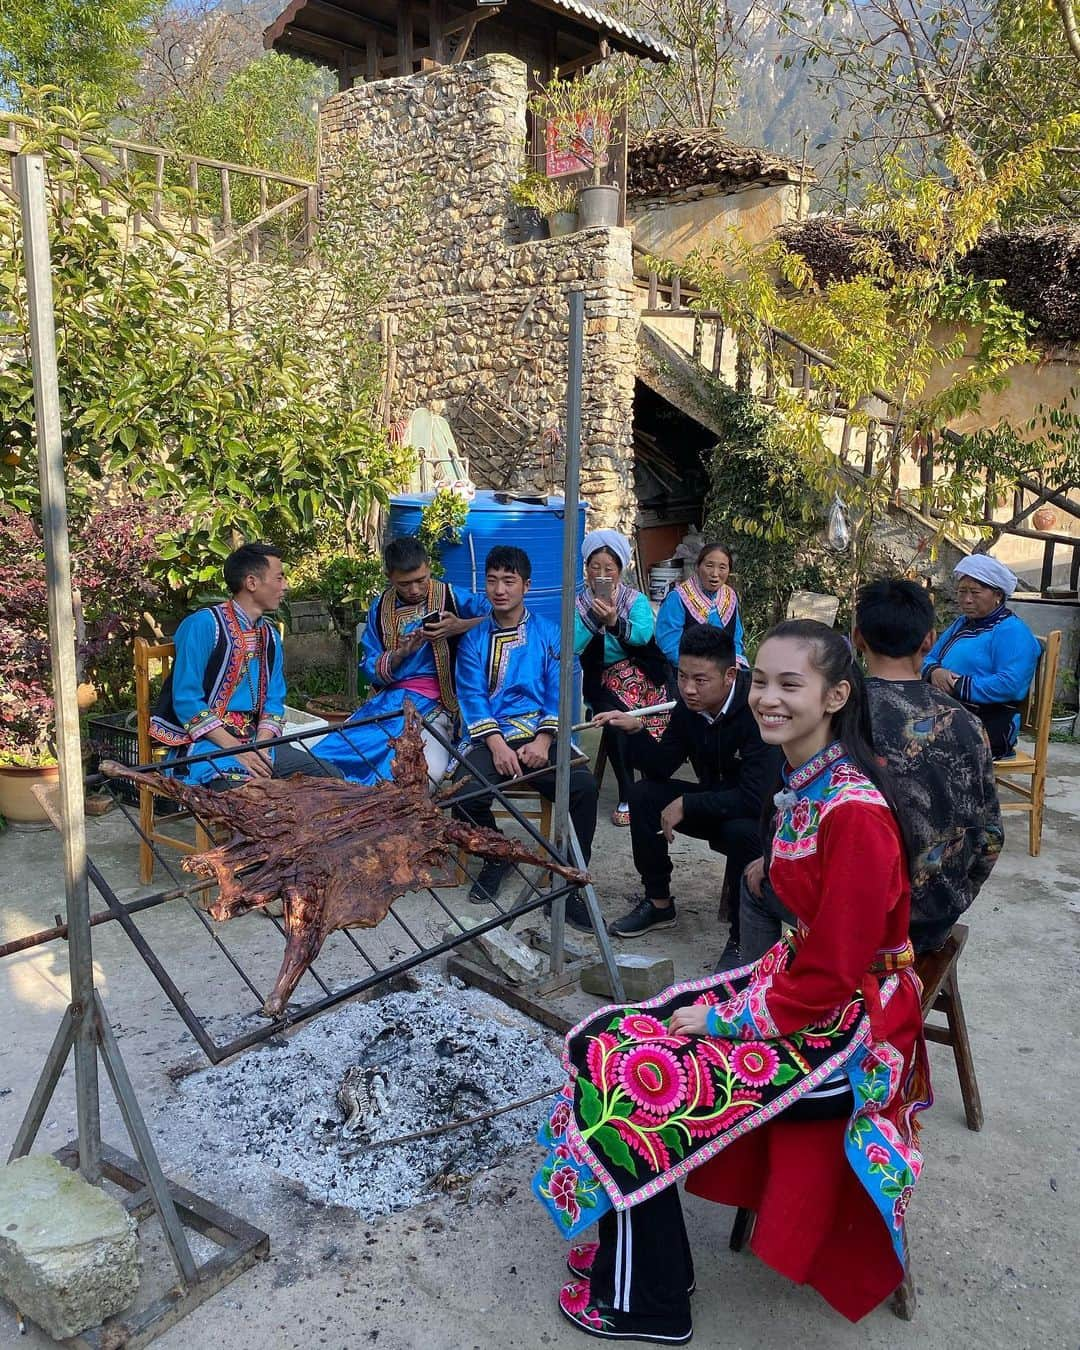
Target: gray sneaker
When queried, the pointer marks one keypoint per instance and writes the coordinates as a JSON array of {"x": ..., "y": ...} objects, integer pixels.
[{"x": 643, "y": 918}]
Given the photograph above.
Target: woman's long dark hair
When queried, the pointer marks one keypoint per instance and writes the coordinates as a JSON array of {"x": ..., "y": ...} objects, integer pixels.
[{"x": 834, "y": 659}]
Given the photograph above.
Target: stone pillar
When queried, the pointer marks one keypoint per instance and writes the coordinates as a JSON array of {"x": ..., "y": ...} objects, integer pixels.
[{"x": 479, "y": 317}]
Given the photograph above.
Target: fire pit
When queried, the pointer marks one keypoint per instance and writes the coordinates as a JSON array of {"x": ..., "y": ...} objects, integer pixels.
[{"x": 314, "y": 1111}]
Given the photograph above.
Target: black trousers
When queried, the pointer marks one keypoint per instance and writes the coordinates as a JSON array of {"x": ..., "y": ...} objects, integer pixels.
[
  {"x": 739, "y": 838},
  {"x": 582, "y": 793},
  {"x": 644, "y": 1266}
]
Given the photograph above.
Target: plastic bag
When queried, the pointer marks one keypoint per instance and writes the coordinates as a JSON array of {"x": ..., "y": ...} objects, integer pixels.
[{"x": 837, "y": 529}]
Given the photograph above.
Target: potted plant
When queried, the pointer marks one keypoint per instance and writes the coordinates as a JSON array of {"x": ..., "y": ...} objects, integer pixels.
[
  {"x": 582, "y": 115},
  {"x": 1062, "y": 714},
  {"x": 26, "y": 706},
  {"x": 554, "y": 202},
  {"x": 527, "y": 194},
  {"x": 346, "y": 584}
]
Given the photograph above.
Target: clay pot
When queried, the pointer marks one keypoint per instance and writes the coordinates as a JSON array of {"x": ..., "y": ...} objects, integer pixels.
[
  {"x": 1045, "y": 518},
  {"x": 18, "y": 805},
  {"x": 86, "y": 695},
  {"x": 333, "y": 708}
]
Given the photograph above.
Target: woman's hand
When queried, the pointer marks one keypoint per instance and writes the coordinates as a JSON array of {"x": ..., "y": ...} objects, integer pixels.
[
  {"x": 605, "y": 611},
  {"x": 689, "y": 1021},
  {"x": 943, "y": 679}
]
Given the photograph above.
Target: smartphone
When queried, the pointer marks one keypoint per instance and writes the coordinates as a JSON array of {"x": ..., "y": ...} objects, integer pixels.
[
  {"x": 603, "y": 588},
  {"x": 435, "y": 616}
]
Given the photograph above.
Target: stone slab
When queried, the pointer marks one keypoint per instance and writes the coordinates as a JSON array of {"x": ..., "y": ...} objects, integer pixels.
[
  {"x": 642, "y": 976},
  {"x": 69, "y": 1253},
  {"x": 503, "y": 949}
]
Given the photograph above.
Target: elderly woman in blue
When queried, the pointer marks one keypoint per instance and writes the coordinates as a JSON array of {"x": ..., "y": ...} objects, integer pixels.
[
  {"x": 704, "y": 597},
  {"x": 986, "y": 659},
  {"x": 622, "y": 667}
]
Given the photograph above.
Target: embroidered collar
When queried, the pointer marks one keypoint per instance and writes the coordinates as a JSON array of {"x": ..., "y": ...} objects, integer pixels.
[
  {"x": 990, "y": 620},
  {"x": 514, "y": 627},
  {"x": 797, "y": 779}
]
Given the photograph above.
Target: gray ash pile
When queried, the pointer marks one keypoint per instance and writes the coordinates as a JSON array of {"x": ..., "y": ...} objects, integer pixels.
[{"x": 311, "y": 1111}]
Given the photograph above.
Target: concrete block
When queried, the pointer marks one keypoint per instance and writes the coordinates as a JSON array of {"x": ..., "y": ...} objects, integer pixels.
[
  {"x": 69, "y": 1254},
  {"x": 642, "y": 977},
  {"x": 503, "y": 949}
]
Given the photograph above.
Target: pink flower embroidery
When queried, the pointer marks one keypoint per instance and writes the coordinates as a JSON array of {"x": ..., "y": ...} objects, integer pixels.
[
  {"x": 876, "y": 1154},
  {"x": 563, "y": 1188},
  {"x": 581, "y": 1257},
  {"x": 900, "y": 1206},
  {"x": 567, "y": 1152},
  {"x": 653, "y": 1077},
  {"x": 560, "y": 1118},
  {"x": 599, "y": 1046},
  {"x": 574, "y": 1297},
  {"x": 801, "y": 815},
  {"x": 642, "y": 1027},
  {"x": 754, "y": 1062},
  {"x": 591, "y": 1318}
]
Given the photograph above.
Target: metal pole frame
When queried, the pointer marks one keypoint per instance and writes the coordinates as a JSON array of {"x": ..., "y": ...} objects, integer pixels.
[
  {"x": 565, "y": 837},
  {"x": 28, "y": 172}
]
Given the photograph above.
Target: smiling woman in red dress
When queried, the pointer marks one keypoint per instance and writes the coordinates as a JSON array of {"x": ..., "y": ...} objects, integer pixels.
[{"x": 788, "y": 1087}]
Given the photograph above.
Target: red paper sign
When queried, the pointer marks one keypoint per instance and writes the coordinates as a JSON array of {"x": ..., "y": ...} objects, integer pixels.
[{"x": 571, "y": 152}]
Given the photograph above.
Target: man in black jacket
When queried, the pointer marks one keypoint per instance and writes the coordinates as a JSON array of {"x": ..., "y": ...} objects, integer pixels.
[{"x": 712, "y": 727}]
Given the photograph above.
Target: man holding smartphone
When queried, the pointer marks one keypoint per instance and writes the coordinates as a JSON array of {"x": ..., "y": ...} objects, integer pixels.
[
  {"x": 407, "y": 653},
  {"x": 508, "y": 686}
]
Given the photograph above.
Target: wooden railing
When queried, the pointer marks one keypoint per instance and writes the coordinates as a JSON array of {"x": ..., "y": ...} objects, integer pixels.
[
  {"x": 673, "y": 297},
  {"x": 209, "y": 211}
]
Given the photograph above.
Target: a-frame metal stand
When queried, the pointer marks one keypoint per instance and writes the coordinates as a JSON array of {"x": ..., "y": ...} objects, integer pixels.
[{"x": 85, "y": 1027}]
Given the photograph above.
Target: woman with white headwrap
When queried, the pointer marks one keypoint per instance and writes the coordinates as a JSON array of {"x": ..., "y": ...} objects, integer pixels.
[
  {"x": 986, "y": 659},
  {"x": 622, "y": 668}
]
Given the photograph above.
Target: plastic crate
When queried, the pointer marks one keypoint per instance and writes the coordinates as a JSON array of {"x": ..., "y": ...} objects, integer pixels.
[{"x": 114, "y": 736}]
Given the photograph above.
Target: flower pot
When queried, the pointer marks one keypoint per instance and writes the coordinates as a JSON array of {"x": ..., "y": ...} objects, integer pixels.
[
  {"x": 86, "y": 695},
  {"x": 598, "y": 206},
  {"x": 18, "y": 805},
  {"x": 562, "y": 222},
  {"x": 529, "y": 224},
  {"x": 1061, "y": 724},
  {"x": 333, "y": 708}
]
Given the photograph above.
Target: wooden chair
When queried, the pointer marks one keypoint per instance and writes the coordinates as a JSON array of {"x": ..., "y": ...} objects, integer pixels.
[
  {"x": 146, "y": 654},
  {"x": 941, "y": 994},
  {"x": 1035, "y": 722}
]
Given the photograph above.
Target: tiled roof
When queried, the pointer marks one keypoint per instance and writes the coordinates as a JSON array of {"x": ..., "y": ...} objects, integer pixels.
[{"x": 615, "y": 26}]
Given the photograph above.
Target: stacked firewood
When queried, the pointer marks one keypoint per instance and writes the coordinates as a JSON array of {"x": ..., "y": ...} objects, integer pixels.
[{"x": 672, "y": 159}]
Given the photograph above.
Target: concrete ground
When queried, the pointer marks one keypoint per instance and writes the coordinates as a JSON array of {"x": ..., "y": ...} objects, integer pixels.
[{"x": 995, "y": 1224}]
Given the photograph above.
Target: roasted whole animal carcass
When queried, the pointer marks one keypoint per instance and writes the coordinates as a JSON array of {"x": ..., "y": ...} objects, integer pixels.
[{"x": 337, "y": 854}]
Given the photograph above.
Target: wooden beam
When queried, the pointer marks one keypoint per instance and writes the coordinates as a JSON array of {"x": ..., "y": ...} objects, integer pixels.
[
  {"x": 436, "y": 38},
  {"x": 580, "y": 62},
  {"x": 405, "y": 37},
  {"x": 361, "y": 23}
]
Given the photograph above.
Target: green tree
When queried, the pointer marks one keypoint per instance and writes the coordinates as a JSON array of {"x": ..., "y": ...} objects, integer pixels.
[
  {"x": 881, "y": 334},
  {"x": 88, "y": 48},
  {"x": 241, "y": 426}
]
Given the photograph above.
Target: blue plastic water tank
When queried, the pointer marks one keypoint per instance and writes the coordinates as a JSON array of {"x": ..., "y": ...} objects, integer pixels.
[{"x": 538, "y": 529}]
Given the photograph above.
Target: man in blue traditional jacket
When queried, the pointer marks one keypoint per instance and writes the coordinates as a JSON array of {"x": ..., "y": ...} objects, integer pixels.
[
  {"x": 508, "y": 689},
  {"x": 407, "y": 653},
  {"x": 227, "y": 684}
]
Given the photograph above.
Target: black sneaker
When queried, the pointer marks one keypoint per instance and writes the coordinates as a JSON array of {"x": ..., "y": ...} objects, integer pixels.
[
  {"x": 730, "y": 958},
  {"x": 576, "y": 914},
  {"x": 486, "y": 886},
  {"x": 643, "y": 918}
]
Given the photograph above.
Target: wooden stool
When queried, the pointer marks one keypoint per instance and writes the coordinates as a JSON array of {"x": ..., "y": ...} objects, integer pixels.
[{"x": 941, "y": 994}]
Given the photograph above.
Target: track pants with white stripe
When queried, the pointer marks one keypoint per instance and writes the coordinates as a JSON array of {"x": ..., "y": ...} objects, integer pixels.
[{"x": 644, "y": 1266}]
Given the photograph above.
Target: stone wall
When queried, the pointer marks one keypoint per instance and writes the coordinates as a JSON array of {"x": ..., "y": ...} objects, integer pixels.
[{"x": 482, "y": 321}]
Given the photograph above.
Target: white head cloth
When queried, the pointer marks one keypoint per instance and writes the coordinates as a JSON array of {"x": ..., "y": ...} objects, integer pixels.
[
  {"x": 609, "y": 539},
  {"x": 989, "y": 571}
]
